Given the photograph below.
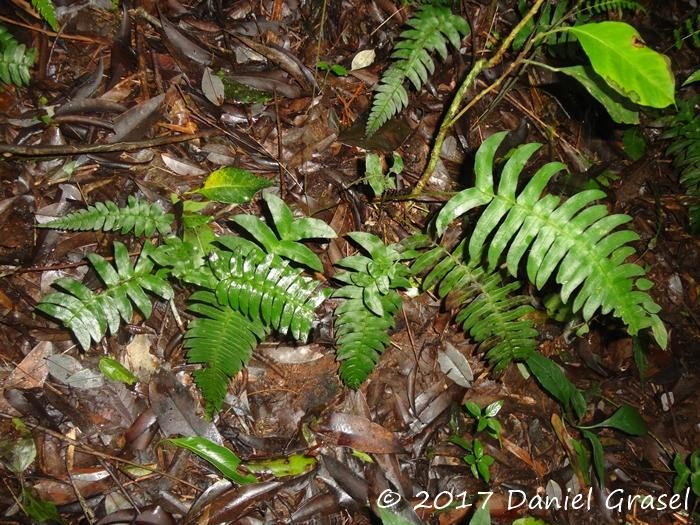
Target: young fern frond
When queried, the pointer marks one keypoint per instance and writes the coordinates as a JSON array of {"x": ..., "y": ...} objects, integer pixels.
[
  {"x": 264, "y": 288},
  {"x": 15, "y": 59},
  {"x": 688, "y": 31},
  {"x": 139, "y": 216},
  {"x": 488, "y": 311},
  {"x": 574, "y": 238},
  {"x": 371, "y": 302},
  {"x": 222, "y": 339},
  {"x": 605, "y": 6},
  {"x": 433, "y": 26},
  {"x": 88, "y": 314}
]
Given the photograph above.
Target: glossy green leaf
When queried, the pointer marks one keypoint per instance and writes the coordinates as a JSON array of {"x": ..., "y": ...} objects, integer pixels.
[
  {"x": 626, "y": 419},
  {"x": 619, "y": 55},
  {"x": 216, "y": 455},
  {"x": 114, "y": 370},
  {"x": 482, "y": 516},
  {"x": 694, "y": 77},
  {"x": 232, "y": 185},
  {"x": 293, "y": 465},
  {"x": 618, "y": 107}
]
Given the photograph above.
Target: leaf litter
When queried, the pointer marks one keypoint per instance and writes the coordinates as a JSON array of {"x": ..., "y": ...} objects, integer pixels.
[{"x": 77, "y": 445}]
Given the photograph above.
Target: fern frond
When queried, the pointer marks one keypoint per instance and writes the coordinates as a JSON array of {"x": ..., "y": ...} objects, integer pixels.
[
  {"x": 688, "y": 30},
  {"x": 684, "y": 129},
  {"x": 432, "y": 27},
  {"x": 15, "y": 59},
  {"x": 574, "y": 238},
  {"x": 264, "y": 287},
  {"x": 605, "y": 6},
  {"x": 88, "y": 314},
  {"x": 139, "y": 216},
  {"x": 222, "y": 339},
  {"x": 488, "y": 311},
  {"x": 47, "y": 10},
  {"x": 371, "y": 302},
  {"x": 361, "y": 335}
]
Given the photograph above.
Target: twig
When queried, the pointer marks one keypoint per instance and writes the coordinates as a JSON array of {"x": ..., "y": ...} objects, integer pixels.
[
  {"x": 453, "y": 113},
  {"x": 8, "y": 150}
]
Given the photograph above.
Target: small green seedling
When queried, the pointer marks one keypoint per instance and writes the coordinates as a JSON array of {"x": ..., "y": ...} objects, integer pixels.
[
  {"x": 486, "y": 419},
  {"x": 687, "y": 473},
  {"x": 478, "y": 461},
  {"x": 336, "y": 69}
]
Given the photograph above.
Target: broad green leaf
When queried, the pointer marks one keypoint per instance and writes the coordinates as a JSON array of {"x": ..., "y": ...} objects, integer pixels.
[
  {"x": 493, "y": 408},
  {"x": 114, "y": 370},
  {"x": 554, "y": 381},
  {"x": 260, "y": 231},
  {"x": 310, "y": 228},
  {"x": 232, "y": 185},
  {"x": 619, "y": 55},
  {"x": 617, "y": 106},
  {"x": 38, "y": 509},
  {"x": 216, "y": 455},
  {"x": 281, "y": 214},
  {"x": 389, "y": 518},
  {"x": 482, "y": 516},
  {"x": 279, "y": 467},
  {"x": 299, "y": 253},
  {"x": 625, "y": 419}
]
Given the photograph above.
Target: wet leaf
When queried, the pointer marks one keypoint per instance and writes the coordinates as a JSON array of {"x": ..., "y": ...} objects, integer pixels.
[
  {"x": 114, "y": 370},
  {"x": 360, "y": 433},
  {"x": 212, "y": 87},
  {"x": 285, "y": 466},
  {"x": 232, "y": 185},
  {"x": 216, "y": 455},
  {"x": 455, "y": 366}
]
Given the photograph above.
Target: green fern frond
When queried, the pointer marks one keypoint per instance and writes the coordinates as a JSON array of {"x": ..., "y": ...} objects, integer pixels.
[
  {"x": 139, "y": 216},
  {"x": 574, "y": 238},
  {"x": 47, "y": 10},
  {"x": 606, "y": 6},
  {"x": 264, "y": 287},
  {"x": 371, "y": 302},
  {"x": 222, "y": 339},
  {"x": 684, "y": 129},
  {"x": 433, "y": 27},
  {"x": 488, "y": 311},
  {"x": 15, "y": 59},
  {"x": 88, "y": 314},
  {"x": 688, "y": 31}
]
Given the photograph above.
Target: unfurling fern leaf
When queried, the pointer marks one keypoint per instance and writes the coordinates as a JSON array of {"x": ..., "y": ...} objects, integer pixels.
[
  {"x": 371, "y": 302},
  {"x": 433, "y": 27},
  {"x": 139, "y": 216},
  {"x": 575, "y": 238},
  {"x": 88, "y": 314},
  {"x": 487, "y": 309},
  {"x": 222, "y": 339},
  {"x": 15, "y": 59}
]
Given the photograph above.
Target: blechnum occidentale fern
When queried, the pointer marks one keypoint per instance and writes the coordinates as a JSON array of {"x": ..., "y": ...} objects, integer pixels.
[
  {"x": 248, "y": 289},
  {"x": 432, "y": 27},
  {"x": 15, "y": 59}
]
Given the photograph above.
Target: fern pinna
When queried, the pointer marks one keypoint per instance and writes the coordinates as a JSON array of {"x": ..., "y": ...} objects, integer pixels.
[
  {"x": 432, "y": 27},
  {"x": 487, "y": 308},
  {"x": 369, "y": 307},
  {"x": 88, "y": 314},
  {"x": 574, "y": 238},
  {"x": 138, "y": 216},
  {"x": 15, "y": 59}
]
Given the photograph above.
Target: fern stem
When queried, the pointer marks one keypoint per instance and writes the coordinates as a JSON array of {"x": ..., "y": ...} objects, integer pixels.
[{"x": 453, "y": 113}]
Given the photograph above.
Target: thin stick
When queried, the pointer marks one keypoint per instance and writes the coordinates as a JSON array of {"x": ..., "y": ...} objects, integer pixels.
[{"x": 453, "y": 113}]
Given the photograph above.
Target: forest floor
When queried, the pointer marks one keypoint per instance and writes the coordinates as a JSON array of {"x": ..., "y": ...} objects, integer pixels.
[{"x": 93, "y": 447}]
